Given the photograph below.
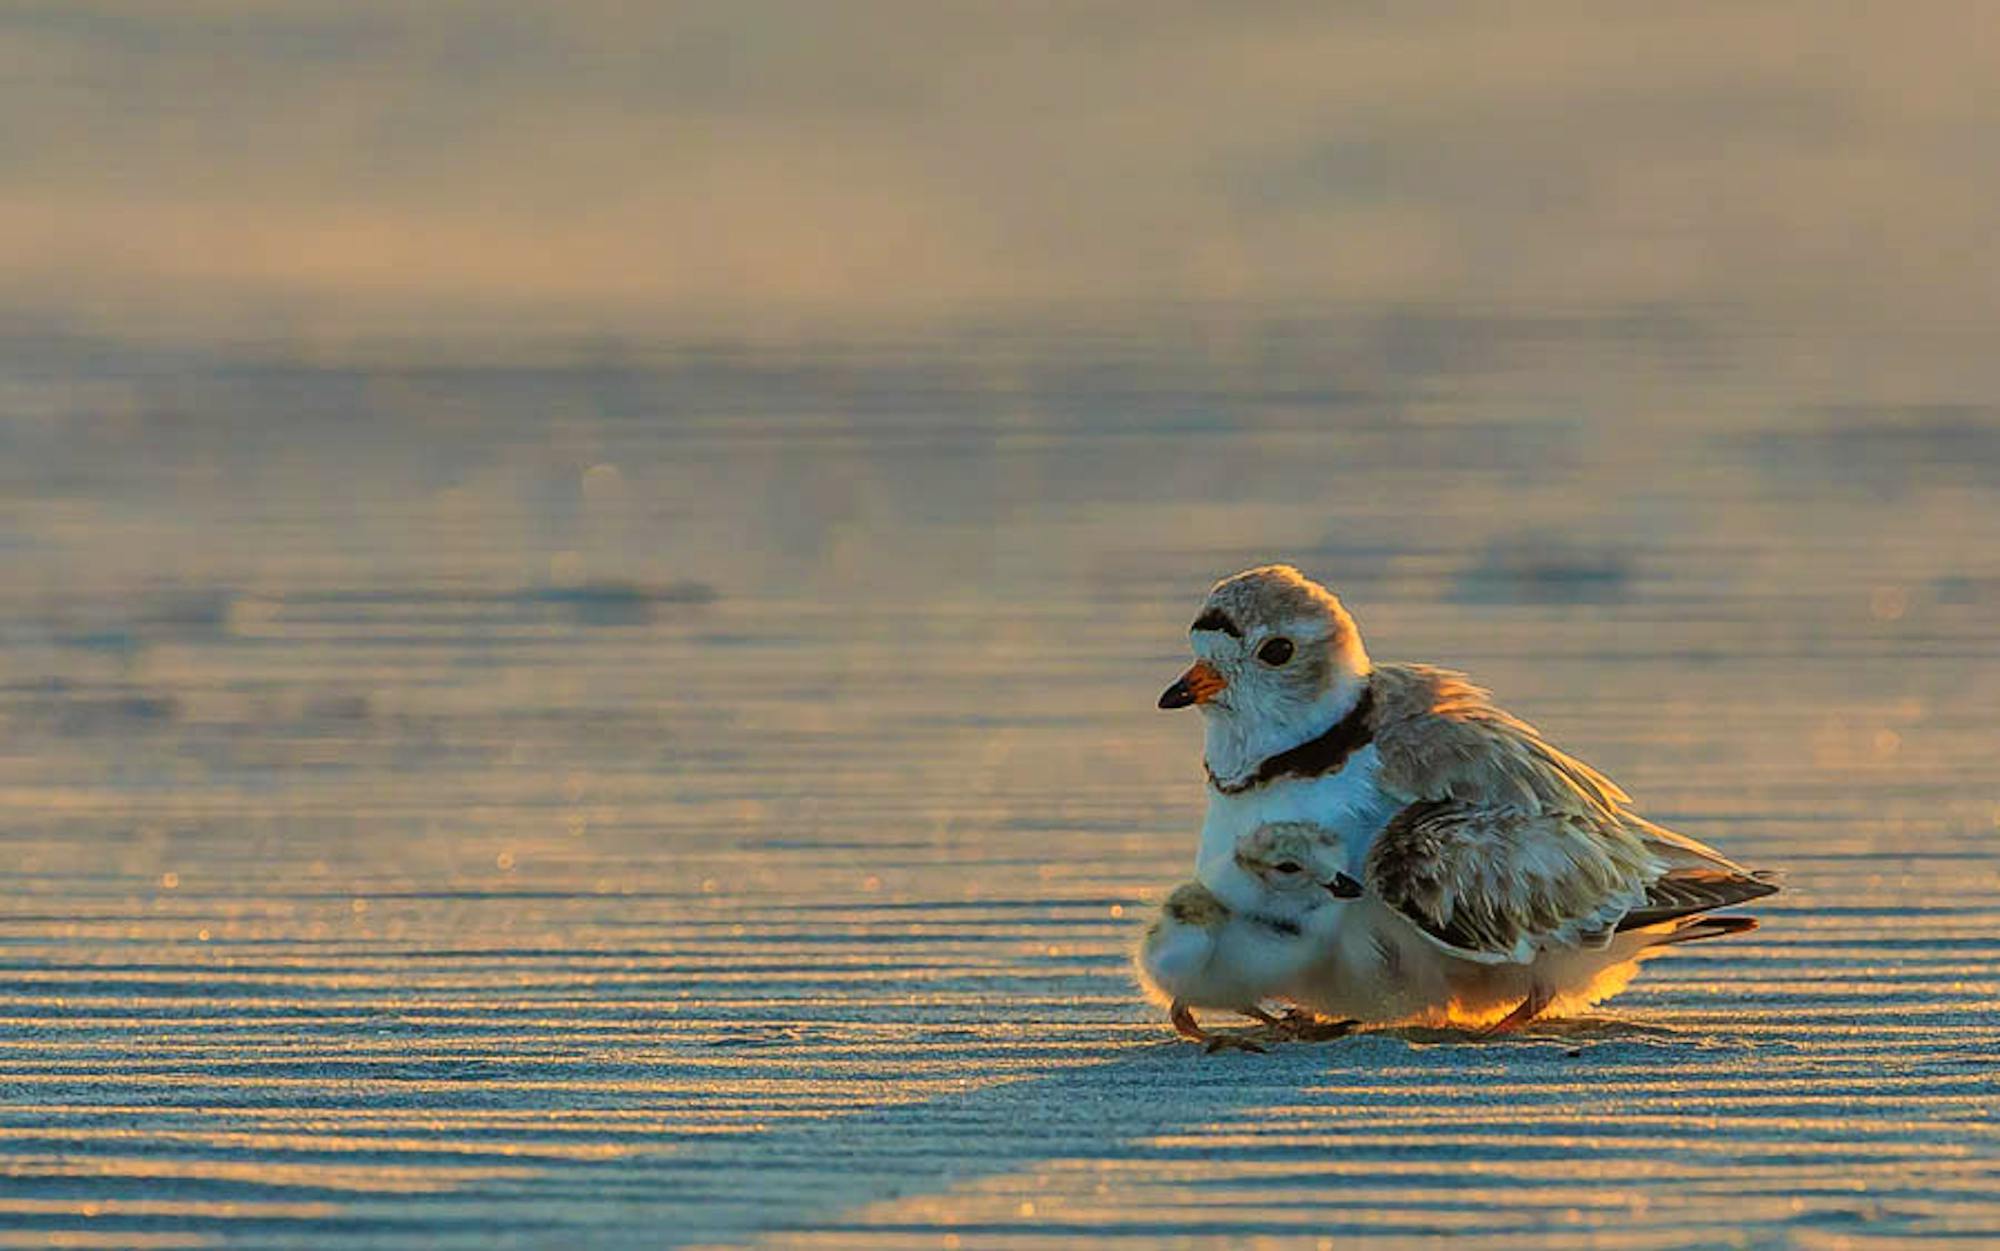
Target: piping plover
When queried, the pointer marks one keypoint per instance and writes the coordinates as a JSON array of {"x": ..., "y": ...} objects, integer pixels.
[
  {"x": 1206, "y": 950},
  {"x": 1502, "y": 876}
]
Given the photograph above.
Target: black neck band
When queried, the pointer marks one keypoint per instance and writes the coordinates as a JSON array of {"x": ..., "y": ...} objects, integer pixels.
[
  {"x": 1315, "y": 758},
  {"x": 1283, "y": 925}
]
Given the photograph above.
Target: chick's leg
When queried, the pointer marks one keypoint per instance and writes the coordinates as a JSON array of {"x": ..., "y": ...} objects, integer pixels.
[
  {"x": 1302, "y": 1024},
  {"x": 1184, "y": 1024},
  {"x": 1306, "y": 1026}
]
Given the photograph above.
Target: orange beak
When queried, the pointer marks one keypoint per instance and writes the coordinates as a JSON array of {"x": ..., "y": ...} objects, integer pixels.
[{"x": 1198, "y": 685}]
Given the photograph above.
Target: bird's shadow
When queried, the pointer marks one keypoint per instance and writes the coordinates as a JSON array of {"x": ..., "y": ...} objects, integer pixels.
[
  {"x": 1572, "y": 1031},
  {"x": 806, "y": 1174}
]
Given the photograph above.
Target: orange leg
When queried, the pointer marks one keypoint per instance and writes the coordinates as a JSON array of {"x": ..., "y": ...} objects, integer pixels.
[
  {"x": 1528, "y": 1009},
  {"x": 1186, "y": 1026}
]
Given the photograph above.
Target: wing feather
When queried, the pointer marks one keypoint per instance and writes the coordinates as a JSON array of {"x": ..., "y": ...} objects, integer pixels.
[
  {"x": 1684, "y": 892},
  {"x": 1498, "y": 885},
  {"x": 1440, "y": 737},
  {"x": 1507, "y": 844}
]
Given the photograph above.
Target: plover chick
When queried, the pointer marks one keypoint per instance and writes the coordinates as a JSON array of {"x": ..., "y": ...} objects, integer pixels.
[{"x": 1244, "y": 941}]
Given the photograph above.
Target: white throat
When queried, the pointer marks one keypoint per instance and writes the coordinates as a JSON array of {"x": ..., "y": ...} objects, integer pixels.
[{"x": 1236, "y": 740}]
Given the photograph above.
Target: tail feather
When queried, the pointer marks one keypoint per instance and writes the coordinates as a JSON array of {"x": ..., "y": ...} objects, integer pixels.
[
  {"x": 1695, "y": 929},
  {"x": 1685, "y": 892}
]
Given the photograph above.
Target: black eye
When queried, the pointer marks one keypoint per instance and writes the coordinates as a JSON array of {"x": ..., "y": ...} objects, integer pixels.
[
  {"x": 1275, "y": 652},
  {"x": 1287, "y": 866}
]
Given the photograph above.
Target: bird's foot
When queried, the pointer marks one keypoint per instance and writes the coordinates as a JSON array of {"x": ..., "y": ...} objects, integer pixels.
[
  {"x": 1306, "y": 1027},
  {"x": 1299, "y": 1025},
  {"x": 1187, "y": 1027}
]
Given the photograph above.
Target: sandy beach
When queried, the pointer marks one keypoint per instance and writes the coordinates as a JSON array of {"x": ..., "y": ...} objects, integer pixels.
[
  {"x": 583, "y": 589},
  {"x": 379, "y": 879}
]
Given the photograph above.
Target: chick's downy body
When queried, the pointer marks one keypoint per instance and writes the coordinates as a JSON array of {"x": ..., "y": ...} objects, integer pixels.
[{"x": 1234, "y": 949}]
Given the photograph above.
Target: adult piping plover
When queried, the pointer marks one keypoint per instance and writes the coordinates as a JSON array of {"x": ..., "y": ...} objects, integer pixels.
[
  {"x": 1206, "y": 950},
  {"x": 1502, "y": 875}
]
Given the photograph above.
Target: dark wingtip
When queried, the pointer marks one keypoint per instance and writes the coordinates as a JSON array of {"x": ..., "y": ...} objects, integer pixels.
[
  {"x": 1695, "y": 929},
  {"x": 1694, "y": 891},
  {"x": 1729, "y": 925}
]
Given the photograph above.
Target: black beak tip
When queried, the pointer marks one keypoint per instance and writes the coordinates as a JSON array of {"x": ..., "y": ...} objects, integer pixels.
[
  {"x": 1176, "y": 696},
  {"x": 1344, "y": 887}
]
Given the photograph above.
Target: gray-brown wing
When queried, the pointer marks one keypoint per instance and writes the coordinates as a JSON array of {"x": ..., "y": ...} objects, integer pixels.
[
  {"x": 1502, "y": 885},
  {"x": 1499, "y": 885},
  {"x": 1441, "y": 737}
]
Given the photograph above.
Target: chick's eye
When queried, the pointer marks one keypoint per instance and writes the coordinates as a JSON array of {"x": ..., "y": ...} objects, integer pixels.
[
  {"x": 1275, "y": 652},
  {"x": 1287, "y": 866}
]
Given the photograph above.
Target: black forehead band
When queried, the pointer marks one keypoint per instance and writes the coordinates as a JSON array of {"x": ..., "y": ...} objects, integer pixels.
[{"x": 1216, "y": 619}]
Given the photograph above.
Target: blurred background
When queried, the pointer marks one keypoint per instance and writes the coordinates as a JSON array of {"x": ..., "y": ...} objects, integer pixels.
[
  {"x": 585, "y": 586},
  {"x": 325, "y": 173}
]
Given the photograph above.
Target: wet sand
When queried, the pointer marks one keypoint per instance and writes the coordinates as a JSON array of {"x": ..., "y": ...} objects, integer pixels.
[{"x": 708, "y": 796}]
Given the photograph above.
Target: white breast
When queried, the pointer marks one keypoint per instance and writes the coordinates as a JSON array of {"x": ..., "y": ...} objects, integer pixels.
[
  {"x": 1349, "y": 803},
  {"x": 1178, "y": 957}
]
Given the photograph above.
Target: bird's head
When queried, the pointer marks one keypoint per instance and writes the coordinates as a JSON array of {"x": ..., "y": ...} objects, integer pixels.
[
  {"x": 1194, "y": 905},
  {"x": 1288, "y": 857},
  {"x": 1275, "y": 654}
]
